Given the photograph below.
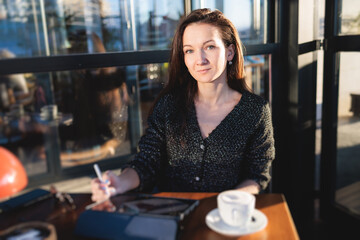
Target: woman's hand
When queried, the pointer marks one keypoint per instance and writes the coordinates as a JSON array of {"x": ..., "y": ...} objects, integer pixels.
[
  {"x": 114, "y": 184},
  {"x": 249, "y": 186},
  {"x": 102, "y": 190}
]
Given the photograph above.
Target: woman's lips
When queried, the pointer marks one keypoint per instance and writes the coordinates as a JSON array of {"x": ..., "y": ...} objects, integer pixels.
[{"x": 203, "y": 70}]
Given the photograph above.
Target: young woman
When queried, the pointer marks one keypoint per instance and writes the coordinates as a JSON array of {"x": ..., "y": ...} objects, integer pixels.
[{"x": 206, "y": 132}]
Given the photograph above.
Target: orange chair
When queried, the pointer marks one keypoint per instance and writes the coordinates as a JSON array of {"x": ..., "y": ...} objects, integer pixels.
[{"x": 13, "y": 177}]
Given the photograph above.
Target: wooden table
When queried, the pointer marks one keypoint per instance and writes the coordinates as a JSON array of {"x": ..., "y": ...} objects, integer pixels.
[{"x": 280, "y": 223}]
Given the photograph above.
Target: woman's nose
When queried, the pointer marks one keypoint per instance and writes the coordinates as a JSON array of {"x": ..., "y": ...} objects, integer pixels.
[{"x": 201, "y": 58}]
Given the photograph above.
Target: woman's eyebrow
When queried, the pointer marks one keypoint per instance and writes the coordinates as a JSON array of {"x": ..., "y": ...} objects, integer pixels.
[{"x": 188, "y": 45}]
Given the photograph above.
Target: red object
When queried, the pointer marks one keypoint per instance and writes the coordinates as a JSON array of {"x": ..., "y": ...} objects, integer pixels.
[{"x": 13, "y": 176}]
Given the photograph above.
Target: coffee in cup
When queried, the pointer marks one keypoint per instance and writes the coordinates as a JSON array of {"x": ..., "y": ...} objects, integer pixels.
[{"x": 236, "y": 207}]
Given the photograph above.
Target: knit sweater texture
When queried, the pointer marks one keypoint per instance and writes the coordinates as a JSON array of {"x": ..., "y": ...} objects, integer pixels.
[{"x": 175, "y": 159}]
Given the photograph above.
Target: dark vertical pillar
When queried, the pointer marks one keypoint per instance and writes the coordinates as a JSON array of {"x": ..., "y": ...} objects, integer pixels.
[
  {"x": 329, "y": 114},
  {"x": 294, "y": 119},
  {"x": 280, "y": 102}
]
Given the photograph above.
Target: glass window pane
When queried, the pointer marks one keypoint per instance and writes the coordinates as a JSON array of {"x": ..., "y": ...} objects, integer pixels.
[
  {"x": 44, "y": 28},
  {"x": 248, "y": 16},
  {"x": 156, "y": 22},
  {"x": 348, "y": 133},
  {"x": 319, "y": 102},
  {"x": 349, "y": 17},
  {"x": 311, "y": 20},
  {"x": 257, "y": 75}
]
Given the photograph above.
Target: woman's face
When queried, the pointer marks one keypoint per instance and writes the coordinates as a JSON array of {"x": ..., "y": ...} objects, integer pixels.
[{"x": 205, "y": 54}]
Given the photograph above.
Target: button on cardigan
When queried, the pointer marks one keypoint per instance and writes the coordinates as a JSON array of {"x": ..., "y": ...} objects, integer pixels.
[{"x": 175, "y": 159}]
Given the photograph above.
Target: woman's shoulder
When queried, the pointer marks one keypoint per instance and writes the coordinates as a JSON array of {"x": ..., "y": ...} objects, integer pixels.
[
  {"x": 254, "y": 100},
  {"x": 165, "y": 100},
  {"x": 164, "y": 103},
  {"x": 255, "y": 108}
]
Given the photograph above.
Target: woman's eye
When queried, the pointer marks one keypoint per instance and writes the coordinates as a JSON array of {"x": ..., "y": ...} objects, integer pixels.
[
  {"x": 188, "y": 51},
  {"x": 210, "y": 47}
]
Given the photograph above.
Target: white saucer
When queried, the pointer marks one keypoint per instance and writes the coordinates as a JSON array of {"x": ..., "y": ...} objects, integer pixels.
[{"x": 214, "y": 222}]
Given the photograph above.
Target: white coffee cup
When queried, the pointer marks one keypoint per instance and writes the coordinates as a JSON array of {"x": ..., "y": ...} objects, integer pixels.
[
  {"x": 236, "y": 207},
  {"x": 49, "y": 112}
]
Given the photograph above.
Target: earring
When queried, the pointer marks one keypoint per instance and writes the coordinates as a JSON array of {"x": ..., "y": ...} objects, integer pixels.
[{"x": 230, "y": 62}]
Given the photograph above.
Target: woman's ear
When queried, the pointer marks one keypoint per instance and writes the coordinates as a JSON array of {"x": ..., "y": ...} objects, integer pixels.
[{"x": 230, "y": 52}]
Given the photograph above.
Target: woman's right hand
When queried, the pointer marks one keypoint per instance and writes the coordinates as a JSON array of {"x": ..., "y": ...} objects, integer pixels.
[
  {"x": 114, "y": 184},
  {"x": 105, "y": 189}
]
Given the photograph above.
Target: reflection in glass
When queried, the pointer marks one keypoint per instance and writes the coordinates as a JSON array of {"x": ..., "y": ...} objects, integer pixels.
[
  {"x": 96, "y": 103},
  {"x": 83, "y": 115},
  {"x": 156, "y": 22},
  {"x": 43, "y": 28},
  {"x": 257, "y": 76},
  {"x": 21, "y": 130},
  {"x": 248, "y": 16},
  {"x": 348, "y": 133},
  {"x": 349, "y": 17}
]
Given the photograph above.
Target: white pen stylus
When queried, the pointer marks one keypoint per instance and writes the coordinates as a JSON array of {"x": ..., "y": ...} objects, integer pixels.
[
  {"x": 99, "y": 175},
  {"x": 98, "y": 172}
]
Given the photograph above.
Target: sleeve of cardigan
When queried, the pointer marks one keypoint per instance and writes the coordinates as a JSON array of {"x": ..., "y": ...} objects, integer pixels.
[
  {"x": 151, "y": 146},
  {"x": 261, "y": 151}
]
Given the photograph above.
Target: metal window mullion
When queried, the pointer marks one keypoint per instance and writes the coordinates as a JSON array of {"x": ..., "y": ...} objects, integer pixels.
[
  {"x": 344, "y": 43},
  {"x": 329, "y": 115},
  {"x": 44, "y": 25},
  {"x": 309, "y": 46},
  {"x": 81, "y": 61},
  {"x": 187, "y": 7}
]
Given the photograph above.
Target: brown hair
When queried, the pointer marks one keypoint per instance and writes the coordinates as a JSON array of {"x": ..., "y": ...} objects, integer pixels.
[{"x": 181, "y": 84}]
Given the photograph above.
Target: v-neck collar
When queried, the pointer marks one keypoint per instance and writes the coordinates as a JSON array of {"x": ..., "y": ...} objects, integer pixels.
[{"x": 219, "y": 126}]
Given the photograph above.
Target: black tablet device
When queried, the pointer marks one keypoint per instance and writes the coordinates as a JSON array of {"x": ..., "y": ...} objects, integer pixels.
[
  {"x": 146, "y": 204},
  {"x": 134, "y": 216}
]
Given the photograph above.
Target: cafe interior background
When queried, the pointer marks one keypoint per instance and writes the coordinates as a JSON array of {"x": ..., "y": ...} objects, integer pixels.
[{"x": 77, "y": 79}]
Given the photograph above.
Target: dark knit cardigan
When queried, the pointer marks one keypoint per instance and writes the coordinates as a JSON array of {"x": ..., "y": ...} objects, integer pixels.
[{"x": 176, "y": 159}]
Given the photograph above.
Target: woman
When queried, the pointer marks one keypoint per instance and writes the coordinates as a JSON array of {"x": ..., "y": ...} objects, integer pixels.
[{"x": 206, "y": 131}]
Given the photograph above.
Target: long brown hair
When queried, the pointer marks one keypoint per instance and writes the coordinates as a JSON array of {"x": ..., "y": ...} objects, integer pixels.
[{"x": 180, "y": 83}]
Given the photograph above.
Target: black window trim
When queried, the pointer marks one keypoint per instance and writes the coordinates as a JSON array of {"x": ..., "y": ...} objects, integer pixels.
[{"x": 99, "y": 60}]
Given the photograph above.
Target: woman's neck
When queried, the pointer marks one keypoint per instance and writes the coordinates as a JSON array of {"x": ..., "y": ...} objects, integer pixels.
[{"x": 214, "y": 93}]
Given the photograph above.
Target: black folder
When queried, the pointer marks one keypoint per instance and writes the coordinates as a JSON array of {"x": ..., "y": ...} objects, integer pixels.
[{"x": 135, "y": 216}]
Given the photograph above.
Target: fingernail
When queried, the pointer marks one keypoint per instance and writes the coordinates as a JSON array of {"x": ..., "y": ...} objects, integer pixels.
[{"x": 106, "y": 181}]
